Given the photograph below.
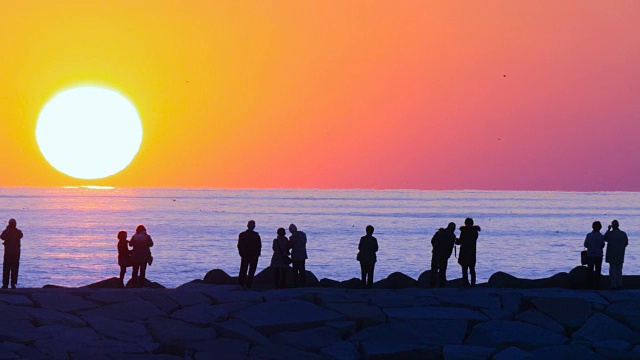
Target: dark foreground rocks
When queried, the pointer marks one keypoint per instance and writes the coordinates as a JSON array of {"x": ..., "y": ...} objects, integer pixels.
[{"x": 203, "y": 321}]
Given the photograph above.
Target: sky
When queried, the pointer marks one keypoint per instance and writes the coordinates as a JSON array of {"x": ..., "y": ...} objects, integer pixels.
[{"x": 495, "y": 95}]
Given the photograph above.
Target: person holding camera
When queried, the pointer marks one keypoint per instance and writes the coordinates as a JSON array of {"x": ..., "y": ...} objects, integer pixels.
[
  {"x": 617, "y": 242},
  {"x": 442, "y": 242}
]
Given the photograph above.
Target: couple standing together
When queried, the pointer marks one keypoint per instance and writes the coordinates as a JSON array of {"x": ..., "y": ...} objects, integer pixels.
[
  {"x": 138, "y": 257},
  {"x": 250, "y": 245},
  {"x": 617, "y": 241},
  {"x": 443, "y": 243}
]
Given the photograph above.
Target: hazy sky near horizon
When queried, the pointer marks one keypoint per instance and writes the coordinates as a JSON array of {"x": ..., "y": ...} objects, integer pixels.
[{"x": 511, "y": 95}]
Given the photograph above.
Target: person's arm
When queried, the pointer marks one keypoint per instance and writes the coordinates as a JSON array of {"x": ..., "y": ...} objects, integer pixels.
[
  {"x": 626, "y": 240},
  {"x": 375, "y": 245},
  {"x": 586, "y": 241},
  {"x": 149, "y": 241},
  {"x": 3, "y": 236},
  {"x": 240, "y": 245},
  {"x": 360, "y": 243}
]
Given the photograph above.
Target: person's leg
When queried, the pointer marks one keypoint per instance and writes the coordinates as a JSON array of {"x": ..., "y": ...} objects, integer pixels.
[
  {"x": 303, "y": 274},
  {"x": 613, "y": 273},
  {"x": 283, "y": 277},
  {"x": 296, "y": 272},
  {"x": 134, "y": 275},
  {"x": 434, "y": 272},
  {"x": 598, "y": 272},
  {"x": 276, "y": 278},
  {"x": 443, "y": 272},
  {"x": 372, "y": 266},
  {"x": 6, "y": 269},
  {"x": 472, "y": 270},
  {"x": 143, "y": 275},
  {"x": 591, "y": 264},
  {"x": 123, "y": 272},
  {"x": 242, "y": 276},
  {"x": 465, "y": 275},
  {"x": 363, "y": 273},
  {"x": 253, "y": 264},
  {"x": 620, "y": 275}
]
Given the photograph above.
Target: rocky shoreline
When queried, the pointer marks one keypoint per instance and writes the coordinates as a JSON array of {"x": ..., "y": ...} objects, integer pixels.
[{"x": 211, "y": 321}]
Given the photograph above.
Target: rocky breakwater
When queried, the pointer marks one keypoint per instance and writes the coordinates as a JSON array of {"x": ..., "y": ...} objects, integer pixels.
[{"x": 204, "y": 321}]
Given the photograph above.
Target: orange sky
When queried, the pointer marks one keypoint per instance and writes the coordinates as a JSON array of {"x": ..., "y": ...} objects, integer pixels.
[{"x": 334, "y": 94}]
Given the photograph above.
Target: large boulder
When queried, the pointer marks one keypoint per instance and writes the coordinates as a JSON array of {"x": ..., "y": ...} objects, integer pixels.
[
  {"x": 601, "y": 327},
  {"x": 110, "y": 283},
  {"x": 569, "y": 312},
  {"x": 147, "y": 284},
  {"x": 501, "y": 333},
  {"x": 264, "y": 279},
  {"x": 504, "y": 280},
  {"x": 396, "y": 280},
  {"x": 414, "y": 332},
  {"x": 218, "y": 277}
]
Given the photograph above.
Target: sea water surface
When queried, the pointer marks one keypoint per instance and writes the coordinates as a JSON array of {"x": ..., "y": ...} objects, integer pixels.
[{"x": 70, "y": 233}]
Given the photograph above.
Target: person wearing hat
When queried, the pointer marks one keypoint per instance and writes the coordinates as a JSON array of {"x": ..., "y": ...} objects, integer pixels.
[{"x": 11, "y": 236}]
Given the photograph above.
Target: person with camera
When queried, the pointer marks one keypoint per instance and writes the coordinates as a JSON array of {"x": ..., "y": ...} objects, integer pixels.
[
  {"x": 467, "y": 259},
  {"x": 594, "y": 242},
  {"x": 617, "y": 242},
  {"x": 442, "y": 242}
]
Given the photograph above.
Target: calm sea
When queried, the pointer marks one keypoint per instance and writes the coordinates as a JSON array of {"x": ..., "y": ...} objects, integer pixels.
[{"x": 70, "y": 233}]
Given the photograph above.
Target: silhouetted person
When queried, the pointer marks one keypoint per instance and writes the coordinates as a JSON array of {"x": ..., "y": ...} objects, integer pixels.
[
  {"x": 594, "y": 242},
  {"x": 467, "y": 259},
  {"x": 280, "y": 260},
  {"x": 442, "y": 242},
  {"x": 368, "y": 247},
  {"x": 249, "y": 246},
  {"x": 617, "y": 241},
  {"x": 11, "y": 236},
  {"x": 298, "y": 242},
  {"x": 141, "y": 243},
  {"x": 124, "y": 254}
]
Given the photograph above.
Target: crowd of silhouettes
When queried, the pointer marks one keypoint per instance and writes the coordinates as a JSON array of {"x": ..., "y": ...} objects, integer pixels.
[{"x": 293, "y": 251}]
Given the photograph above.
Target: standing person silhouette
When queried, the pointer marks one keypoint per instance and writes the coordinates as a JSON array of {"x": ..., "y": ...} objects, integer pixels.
[
  {"x": 11, "y": 236},
  {"x": 594, "y": 242},
  {"x": 298, "y": 242},
  {"x": 249, "y": 246},
  {"x": 368, "y": 247},
  {"x": 280, "y": 259},
  {"x": 442, "y": 242},
  {"x": 124, "y": 254},
  {"x": 467, "y": 259},
  {"x": 617, "y": 241},
  {"x": 141, "y": 243}
]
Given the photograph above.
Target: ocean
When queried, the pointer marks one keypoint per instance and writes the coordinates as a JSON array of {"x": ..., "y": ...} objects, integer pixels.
[{"x": 70, "y": 233}]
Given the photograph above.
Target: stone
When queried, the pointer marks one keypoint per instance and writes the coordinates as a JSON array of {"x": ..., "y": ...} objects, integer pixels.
[
  {"x": 346, "y": 328},
  {"x": 513, "y": 353},
  {"x": 20, "y": 300},
  {"x": 578, "y": 277},
  {"x": 415, "y": 332},
  {"x": 62, "y": 301},
  {"x": 570, "y": 312},
  {"x": 504, "y": 280},
  {"x": 111, "y": 296},
  {"x": 88, "y": 349},
  {"x": 177, "y": 333},
  {"x": 110, "y": 283},
  {"x": 323, "y": 299},
  {"x": 264, "y": 279},
  {"x": 148, "y": 284},
  {"x": 51, "y": 317},
  {"x": 342, "y": 350},
  {"x": 537, "y": 318},
  {"x": 238, "y": 329},
  {"x": 622, "y": 310},
  {"x": 289, "y": 315},
  {"x": 364, "y": 314},
  {"x": 396, "y": 280},
  {"x": 200, "y": 314},
  {"x": 601, "y": 327},
  {"x": 20, "y": 331},
  {"x": 135, "y": 332},
  {"x": 329, "y": 283},
  {"x": 128, "y": 311},
  {"x": 479, "y": 300},
  {"x": 619, "y": 345},
  {"x": 424, "y": 280},
  {"x": 218, "y": 277},
  {"x": 160, "y": 300},
  {"x": 311, "y": 339},
  {"x": 237, "y": 296},
  {"x": 561, "y": 352},
  {"x": 281, "y": 352},
  {"x": 379, "y": 351},
  {"x": 394, "y": 299},
  {"x": 466, "y": 352},
  {"x": 187, "y": 298},
  {"x": 353, "y": 283},
  {"x": 220, "y": 348},
  {"x": 511, "y": 302},
  {"x": 434, "y": 312},
  {"x": 497, "y": 314},
  {"x": 501, "y": 333},
  {"x": 68, "y": 334}
]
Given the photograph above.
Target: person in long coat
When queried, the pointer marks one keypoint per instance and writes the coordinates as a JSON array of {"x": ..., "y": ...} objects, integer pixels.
[
  {"x": 367, "y": 247},
  {"x": 141, "y": 243},
  {"x": 467, "y": 258},
  {"x": 298, "y": 241},
  {"x": 594, "y": 242},
  {"x": 11, "y": 236},
  {"x": 280, "y": 259},
  {"x": 442, "y": 241},
  {"x": 249, "y": 247},
  {"x": 124, "y": 254},
  {"x": 617, "y": 242}
]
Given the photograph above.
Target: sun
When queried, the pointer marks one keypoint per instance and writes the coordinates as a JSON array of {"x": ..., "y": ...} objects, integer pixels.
[{"x": 89, "y": 132}]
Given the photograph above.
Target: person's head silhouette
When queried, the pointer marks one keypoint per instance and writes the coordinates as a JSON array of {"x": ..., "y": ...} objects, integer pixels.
[
  {"x": 122, "y": 235},
  {"x": 451, "y": 227},
  {"x": 140, "y": 229},
  {"x": 281, "y": 232},
  {"x": 293, "y": 229},
  {"x": 251, "y": 225},
  {"x": 596, "y": 226},
  {"x": 615, "y": 224},
  {"x": 12, "y": 223},
  {"x": 369, "y": 230},
  {"x": 468, "y": 221}
]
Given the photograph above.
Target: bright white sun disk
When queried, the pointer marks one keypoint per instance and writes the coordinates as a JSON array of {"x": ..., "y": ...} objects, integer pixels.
[{"x": 89, "y": 132}]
